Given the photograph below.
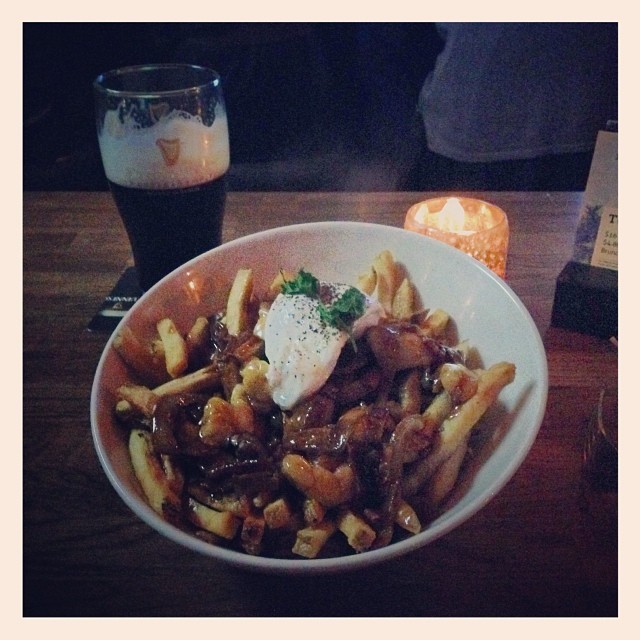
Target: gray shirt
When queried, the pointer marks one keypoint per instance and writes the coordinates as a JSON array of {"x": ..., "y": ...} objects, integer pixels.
[{"x": 504, "y": 91}]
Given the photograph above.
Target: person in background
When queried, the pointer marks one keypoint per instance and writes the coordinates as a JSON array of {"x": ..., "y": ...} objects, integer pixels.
[{"x": 516, "y": 105}]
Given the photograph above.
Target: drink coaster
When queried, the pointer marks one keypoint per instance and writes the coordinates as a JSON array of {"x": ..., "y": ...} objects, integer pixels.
[{"x": 123, "y": 296}]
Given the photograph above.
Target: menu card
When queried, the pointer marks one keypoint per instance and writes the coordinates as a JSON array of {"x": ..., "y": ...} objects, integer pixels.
[
  {"x": 597, "y": 234},
  {"x": 586, "y": 297}
]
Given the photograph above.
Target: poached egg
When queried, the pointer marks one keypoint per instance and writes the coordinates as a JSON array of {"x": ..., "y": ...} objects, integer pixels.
[{"x": 302, "y": 350}]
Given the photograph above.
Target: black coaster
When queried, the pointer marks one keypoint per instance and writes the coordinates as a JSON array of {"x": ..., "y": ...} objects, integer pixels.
[
  {"x": 586, "y": 300},
  {"x": 118, "y": 302}
]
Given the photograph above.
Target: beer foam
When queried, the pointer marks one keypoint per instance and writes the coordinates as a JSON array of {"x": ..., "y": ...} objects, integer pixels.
[{"x": 136, "y": 157}]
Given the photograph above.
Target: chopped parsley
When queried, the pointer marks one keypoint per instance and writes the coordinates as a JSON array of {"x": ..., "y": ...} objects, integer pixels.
[
  {"x": 345, "y": 310},
  {"x": 341, "y": 313},
  {"x": 304, "y": 283}
]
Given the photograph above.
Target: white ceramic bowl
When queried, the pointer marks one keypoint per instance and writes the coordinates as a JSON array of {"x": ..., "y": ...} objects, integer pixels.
[{"x": 485, "y": 309}]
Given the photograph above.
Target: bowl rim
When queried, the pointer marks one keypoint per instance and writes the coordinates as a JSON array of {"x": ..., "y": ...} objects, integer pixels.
[{"x": 290, "y": 566}]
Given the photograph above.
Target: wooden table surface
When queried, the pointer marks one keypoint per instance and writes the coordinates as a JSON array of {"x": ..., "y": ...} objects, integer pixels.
[{"x": 530, "y": 552}]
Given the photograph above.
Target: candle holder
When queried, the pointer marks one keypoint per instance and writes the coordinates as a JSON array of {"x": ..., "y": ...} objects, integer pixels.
[{"x": 478, "y": 228}]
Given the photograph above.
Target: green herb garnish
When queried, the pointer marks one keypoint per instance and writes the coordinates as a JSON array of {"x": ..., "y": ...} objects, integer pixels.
[
  {"x": 304, "y": 283},
  {"x": 345, "y": 310},
  {"x": 341, "y": 314}
]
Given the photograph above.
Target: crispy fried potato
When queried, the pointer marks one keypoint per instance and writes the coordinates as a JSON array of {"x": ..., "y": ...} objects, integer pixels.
[
  {"x": 314, "y": 481},
  {"x": 360, "y": 535},
  {"x": 435, "y": 324},
  {"x": 313, "y": 512},
  {"x": 237, "y": 315},
  {"x": 197, "y": 342},
  {"x": 147, "y": 364},
  {"x": 386, "y": 279},
  {"x": 140, "y": 398},
  {"x": 207, "y": 378},
  {"x": 222, "y": 523},
  {"x": 410, "y": 393},
  {"x": 310, "y": 540},
  {"x": 403, "y": 304},
  {"x": 276, "y": 284},
  {"x": 407, "y": 518},
  {"x": 175, "y": 348},
  {"x": 461, "y": 383},
  {"x": 157, "y": 487},
  {"x": 458, "y": 425},
  {"x": 367, "y": 281},
  {"x": 446, "y": 475},
  {"x": 279, "y": 515}
]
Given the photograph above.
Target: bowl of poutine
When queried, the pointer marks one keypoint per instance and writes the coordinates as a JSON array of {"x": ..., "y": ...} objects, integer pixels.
[{"x": 318, "y": 398}]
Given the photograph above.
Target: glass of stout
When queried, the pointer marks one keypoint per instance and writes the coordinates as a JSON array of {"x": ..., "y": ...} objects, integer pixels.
[{"x": 164, "y": 142}]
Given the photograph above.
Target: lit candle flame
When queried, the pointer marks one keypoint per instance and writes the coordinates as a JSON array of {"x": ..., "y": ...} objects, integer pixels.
[{"x": 450, "y": 218}]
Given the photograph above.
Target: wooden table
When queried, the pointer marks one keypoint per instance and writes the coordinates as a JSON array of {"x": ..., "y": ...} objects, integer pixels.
[{"x": 530, "y": 552}]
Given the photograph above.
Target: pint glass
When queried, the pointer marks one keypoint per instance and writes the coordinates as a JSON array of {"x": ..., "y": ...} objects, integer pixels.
[{"x": 164, "y": 142}]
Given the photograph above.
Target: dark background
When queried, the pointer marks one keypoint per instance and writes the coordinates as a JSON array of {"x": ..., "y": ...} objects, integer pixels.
[{"x": 311, "y": 106}]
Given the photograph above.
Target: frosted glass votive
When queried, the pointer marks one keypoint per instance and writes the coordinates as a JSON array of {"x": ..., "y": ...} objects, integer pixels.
[{"x": 478, "y": 228}]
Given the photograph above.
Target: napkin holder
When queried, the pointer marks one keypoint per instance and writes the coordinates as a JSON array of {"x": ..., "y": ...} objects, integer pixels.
[{"x": 586, "y": 296}]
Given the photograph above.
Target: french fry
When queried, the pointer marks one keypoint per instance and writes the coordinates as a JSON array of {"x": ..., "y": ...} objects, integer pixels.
[
  {"x": 432, "y": 419},
  {"x": 403, "y": 304},
  {"x": 360, "y": 535},
  {"x": 386, "y": 279},
  {"x": 140, "y": 398},
  {"x": 461, "y": 383},
  {"x": 197, "y": 342},
  {"x": 173, "y": 474},
  {"x": 222, "y": 523},
  {"x": 175, "y": 348},
  {"x": 407, "y": 518},
  {"x": 239, "y": 506},
  {"x": 446, "y": 475},
  {"x": 218, "y": 422},
  {"x": 237, "y": 315},
  {"x": 256, "y": 387},
  {"x": 156, "y": 486},
  {"x": 436, "y": 413},
  {"x": 124, "y": 411},
  {"x": 313, "y": 512},
  {"x": 276, "y": 284},
  {"x": 410, "y": 393},
  {"x": 435, "y": 324},
  {"x": 456, "y": 427},
  {"x": 207, "y": 378},
  {"x": 367, "y": 281},
  {"x": 148, "y": 366},
  {"x": 279, "y": 515},
  {"x": 310, "y": 540},
  {"x": 328, "y": 488}
]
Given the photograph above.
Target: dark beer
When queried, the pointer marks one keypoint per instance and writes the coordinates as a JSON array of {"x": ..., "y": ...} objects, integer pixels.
[
  {"x": 164, "y": 143},
  {"x": 168, "y": 227}
]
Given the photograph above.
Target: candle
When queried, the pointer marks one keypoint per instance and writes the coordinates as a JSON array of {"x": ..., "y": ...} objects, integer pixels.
[{"x": 478, "y": 228}]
